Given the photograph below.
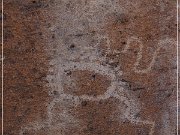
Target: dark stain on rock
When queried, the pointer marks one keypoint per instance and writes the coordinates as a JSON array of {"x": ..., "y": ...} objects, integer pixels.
[
  {"x": 94, "y": 76},
  {"x": 8, "y": 34},
  {"x": 72, "y": 46},
  {"x": 34, "y": 6},
  {"x": 122, "y": 18},
  {"x": 84, "y": 103}
]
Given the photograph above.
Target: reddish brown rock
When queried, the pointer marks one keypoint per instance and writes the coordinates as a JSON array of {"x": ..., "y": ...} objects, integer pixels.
[{"x": 81, "y": 67}]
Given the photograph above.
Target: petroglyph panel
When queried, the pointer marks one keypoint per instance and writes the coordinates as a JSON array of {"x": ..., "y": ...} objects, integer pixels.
[{"x": 105, "y": 67}]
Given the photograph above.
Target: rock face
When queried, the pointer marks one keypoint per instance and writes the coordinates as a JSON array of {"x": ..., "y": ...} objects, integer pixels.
[{"x": 90, "y": 67}]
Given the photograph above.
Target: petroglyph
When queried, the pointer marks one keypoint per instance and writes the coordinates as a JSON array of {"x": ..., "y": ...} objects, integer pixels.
[
  {"x": 116, "y": 90},
  {"x": 162, "y": 44},
  {"x": 79, "y": 32}
]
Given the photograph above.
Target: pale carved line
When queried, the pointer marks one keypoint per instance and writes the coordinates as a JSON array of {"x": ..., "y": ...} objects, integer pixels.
[
  {"x": 139, "y": 55},
  {"x": 111, "y": 93}
]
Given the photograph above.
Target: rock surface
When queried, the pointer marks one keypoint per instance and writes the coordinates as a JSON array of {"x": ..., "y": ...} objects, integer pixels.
[{"x": 90, "y": 67}]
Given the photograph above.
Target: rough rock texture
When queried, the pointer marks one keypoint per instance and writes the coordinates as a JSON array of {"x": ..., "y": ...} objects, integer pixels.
[{"x": 90, "y": 67}]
